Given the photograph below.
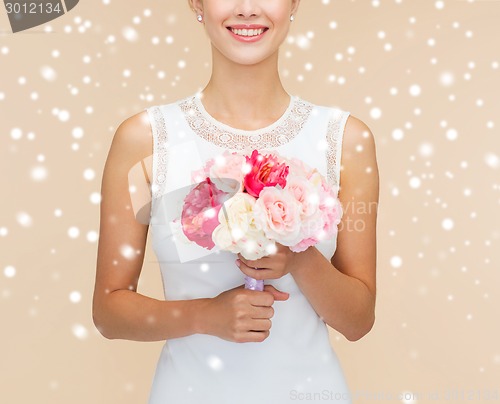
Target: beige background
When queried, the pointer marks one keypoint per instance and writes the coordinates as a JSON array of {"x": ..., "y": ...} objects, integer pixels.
[{"x": 64, "y": 92}]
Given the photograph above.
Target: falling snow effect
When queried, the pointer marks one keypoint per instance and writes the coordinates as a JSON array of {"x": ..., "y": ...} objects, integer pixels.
[
  {"x": 433, "y": 111},
  {"x": 24, "y": 219},
  {"x": 9, "y": 271},
  {"x": 75, "y": 296},
  {"x": 396, "y": 262},
  {"x": 73, "y": 232},
  {"x": 127, "y": 252},
  {"x": 80, "y": 331},
  {"x": 215, "y": 363}
]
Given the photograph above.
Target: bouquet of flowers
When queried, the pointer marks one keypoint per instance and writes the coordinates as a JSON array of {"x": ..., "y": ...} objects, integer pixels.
[{"x": 275, "y": 200}]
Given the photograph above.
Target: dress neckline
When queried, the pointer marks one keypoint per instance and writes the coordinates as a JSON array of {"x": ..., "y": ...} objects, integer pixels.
[
  {"x": 282, "y": 131},
  {"x": 227, "y": 128}
]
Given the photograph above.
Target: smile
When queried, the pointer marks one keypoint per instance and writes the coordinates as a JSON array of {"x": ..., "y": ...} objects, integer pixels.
[{"x": 247, "y": 32}]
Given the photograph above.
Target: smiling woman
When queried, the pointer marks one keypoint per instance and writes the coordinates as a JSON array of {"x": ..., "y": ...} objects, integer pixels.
[
  {"x": 221, "y": 345},
  {"x": 247, "y": 32},
  {"x": 237, "y": 18}
]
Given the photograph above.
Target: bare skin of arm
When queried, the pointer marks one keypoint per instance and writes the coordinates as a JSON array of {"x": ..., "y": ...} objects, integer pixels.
[
  {"x": 118, "y": 310},
  {"x": 342, "y": 291}
]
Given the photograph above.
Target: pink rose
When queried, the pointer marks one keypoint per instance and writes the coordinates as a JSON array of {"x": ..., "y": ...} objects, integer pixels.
[
  {"x": 277, "y": 212},
  {"x": 311, "y": 231},
  {"x": 200, "y": 213},
  {"x": 297, "y": 167},
  {"x": 200, "y": 175},
  {"x": 323, "y": 223},
  {"x": 264, "y": 171},
  {"x": 332, "y": 211},
  {"x": 229, "y": 166},
  {"x": 304, "y": 244},
  {"x": 305, "y": 193}
]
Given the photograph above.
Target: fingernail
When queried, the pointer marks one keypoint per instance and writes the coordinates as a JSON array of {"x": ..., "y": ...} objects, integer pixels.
[{"x": 237, "y": 262}]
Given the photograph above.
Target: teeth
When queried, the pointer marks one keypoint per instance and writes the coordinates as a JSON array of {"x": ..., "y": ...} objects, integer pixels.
[{"x": 247, "y": 32}]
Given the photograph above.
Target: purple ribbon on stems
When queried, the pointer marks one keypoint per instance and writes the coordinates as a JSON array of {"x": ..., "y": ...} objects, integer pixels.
[{"x": 254, "y": 284}]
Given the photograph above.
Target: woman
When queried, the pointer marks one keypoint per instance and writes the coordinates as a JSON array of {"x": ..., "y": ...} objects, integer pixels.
[{"x": 221, "y": 344}]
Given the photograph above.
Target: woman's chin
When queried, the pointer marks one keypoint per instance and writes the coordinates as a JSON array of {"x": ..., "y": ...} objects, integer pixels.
[{"x": 247, "y": 59}]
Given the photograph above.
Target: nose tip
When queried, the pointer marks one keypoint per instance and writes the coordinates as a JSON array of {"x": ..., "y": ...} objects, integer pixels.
[{"x": 245, "y": 16}]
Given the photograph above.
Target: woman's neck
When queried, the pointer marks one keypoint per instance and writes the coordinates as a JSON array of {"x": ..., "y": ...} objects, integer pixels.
[{"x": 248, "y": 95}]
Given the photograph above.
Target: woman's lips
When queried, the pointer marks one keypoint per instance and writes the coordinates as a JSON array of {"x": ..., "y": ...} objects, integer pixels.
[{"x": 243, "y": 38}]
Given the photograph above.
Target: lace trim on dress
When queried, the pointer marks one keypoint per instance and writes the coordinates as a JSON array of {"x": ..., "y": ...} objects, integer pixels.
[
  {"x": 334, "y": 138},
  {"x": 289, "y": 125},
  {"x": 160, "y": 152}
]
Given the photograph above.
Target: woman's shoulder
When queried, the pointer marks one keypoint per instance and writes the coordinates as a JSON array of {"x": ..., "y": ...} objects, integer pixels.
[
  {"x": 134, "y": 135},
  {"x": 342, "y": 120},
  {"x": 355, "y": 128},
  {"x": 133, "y": 138},
  {"x": 357, "y": 134},
  {"x": 136, "y": 131},
  {"x": 359, "y": 151}
]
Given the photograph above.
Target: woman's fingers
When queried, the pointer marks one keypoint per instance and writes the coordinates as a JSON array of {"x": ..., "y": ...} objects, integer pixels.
[
  {"x": 261, "y": 312},
  {"x": 277, "y": 294},
  {"x": 263, "y": 324},
  {"x": 254, "y": 336},
  {"x": 261, "y": 273},
  {"x": 264, "y": 262},
  {"x": 242, "y": 315}
]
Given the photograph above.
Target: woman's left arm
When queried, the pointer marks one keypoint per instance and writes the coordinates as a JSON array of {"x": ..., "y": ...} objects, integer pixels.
[{"x": 343, "y": 291}]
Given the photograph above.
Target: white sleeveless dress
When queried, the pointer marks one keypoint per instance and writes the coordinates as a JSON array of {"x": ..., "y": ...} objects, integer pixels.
[{"x": 296, "y": 362}]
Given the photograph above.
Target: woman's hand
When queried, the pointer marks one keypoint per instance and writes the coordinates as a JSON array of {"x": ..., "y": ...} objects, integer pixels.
[
  {"x": 241, "y": 315},
  {"x": 273, "y": 266}
]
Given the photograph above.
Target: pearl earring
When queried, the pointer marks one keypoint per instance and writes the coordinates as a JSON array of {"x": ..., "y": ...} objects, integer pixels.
[
  {"x": 199, "y": 18},
  {"x": 292, "y": 17}
]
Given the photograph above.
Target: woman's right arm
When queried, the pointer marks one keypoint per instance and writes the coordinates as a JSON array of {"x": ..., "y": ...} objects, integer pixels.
[{"x": 118, "y": 310}]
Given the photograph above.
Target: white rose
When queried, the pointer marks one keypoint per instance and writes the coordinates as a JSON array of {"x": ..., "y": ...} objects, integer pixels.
[
  {"x": 221, "y": 237},
  {"x": 237, "y": 230},
  {"x": 256, "y": 245}
]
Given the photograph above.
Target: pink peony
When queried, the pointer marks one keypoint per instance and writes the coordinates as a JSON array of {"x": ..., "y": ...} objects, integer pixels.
[
  {"x": 200, "y": 213},
  {"x": 265, "y": 171}
]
